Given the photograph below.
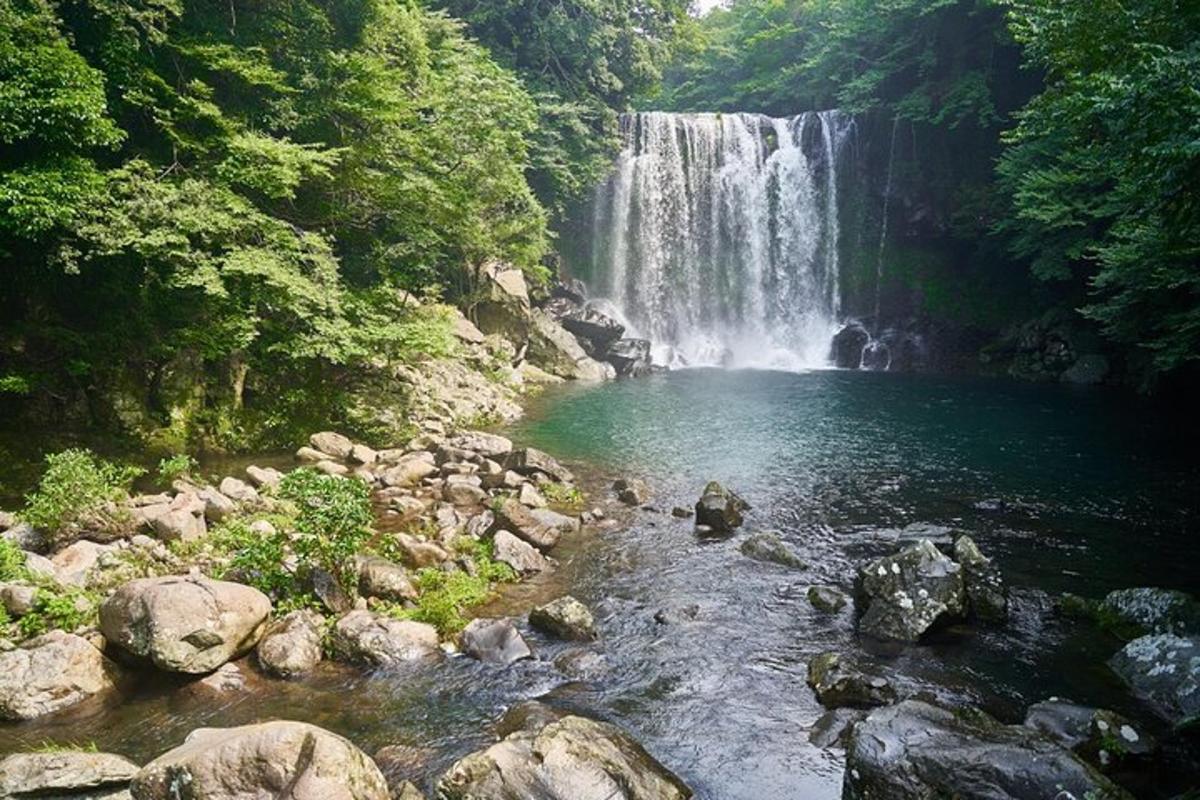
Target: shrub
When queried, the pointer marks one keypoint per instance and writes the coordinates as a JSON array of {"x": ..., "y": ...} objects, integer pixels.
[
  {"x": 445, "y": 596},
  {"x": 59, "y": 608},
  {"x": 256, "y": 560},
  {"x": 563, "y": 495},
  {"x": 173, "y": 467},
  {"x": 333, "y": 522},
  {"x": 76, "y": 491},
  {"x": 12, "y": 561}
]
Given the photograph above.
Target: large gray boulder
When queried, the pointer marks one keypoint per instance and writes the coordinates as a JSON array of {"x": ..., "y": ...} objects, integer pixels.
[
  {"x": 917, "y": 751},
  {"x": 187, "y": 624},
  {"x": 496, "y": 641},
  {"x": 530, "y": 461},
  {"x": 1164, "y": 671},
  {"x": 553, "y": 348},
  {"x": 596, "y": 330},
  {"x": 291, "y": 645},
  {"x": 908, "y": 593},
  {"x": 65, "y": 774},
  {"x": 571, "y": 758},
  {"x": 281, "y": 759},
  {"x": 631, "y": 358},
  {"x": 768, "y": 546},
  {"x": 521, "y": 521},
  {"x": 333, "y": 445},
  {"x": 1103, "y": 737},
  {"x": 487, "y": 445},
  {"x": 50, "y": 673},
  {"x": 982, "y": 580},
  {"x": 363, "y": 637},
  {"x": 720, "y": 509}
]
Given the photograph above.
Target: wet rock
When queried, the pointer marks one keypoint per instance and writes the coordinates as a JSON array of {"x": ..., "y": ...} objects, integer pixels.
[
  {"x": 228, "y": 679},
  {"x": 496, "y": 641},
  {"x": 910, "y": 592},
  {"x": 487, "y": 445},
  {"x": 720, "y": 509},
  {"x": 531, "y": 461},
  {"x": 50, "y": 673},
  {"x": 837, "y": 684},
  {"x": 916, "y": 751},
  {"x": 406, "y": 790},
  {"x": 65, "y": 774},
  {"x": 767, "y": 546},
  {"x": 826, "y": 598},
  {"x": 271, "y": 759},
  {"x": 877, "y": 356},
  {"x": 581, "y": 664},
  {"x": 291, "y": 645},
  {"x": 1163, "y": 670},
  {"x": 239, "y": 491},
  {"x": 597, "y": 329},
  {"x": 632, "y": 491},
  {"x": 566, "y": 618},
  {"x": 834, "y": 727},
  {"x": 554, "y": 349},
  {"x": 184, "y": 624},
  {"x": 1102, "y": 737},
  {"x": 560, "y": 522},
  {"x": 846, "y": 350},
  {"x": 363, "y": 637},
  {"x": 676, "y": 615},
  {"x": 330, "y": 591},
  {"x": 398, "y": 762},
  {"x": 1131, "y": 613},
  {"x": 630, "y": 357},
  {"x": 333, "y": 445},
  {"x": 264, "y": 477},
  {"x": 521, "y": 556},
  {"x": 520, "y": 521},
  {"x": 571, "y": 758},
  {"x": 986, "y": 595},
  {"x": 378, "y": 577}
]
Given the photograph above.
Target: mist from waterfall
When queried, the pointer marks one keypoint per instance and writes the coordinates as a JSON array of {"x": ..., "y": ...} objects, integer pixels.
[{"x": 716, "y": 237}]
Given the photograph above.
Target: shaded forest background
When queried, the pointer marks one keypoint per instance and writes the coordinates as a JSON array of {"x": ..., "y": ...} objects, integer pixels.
[{"x": 232, "y": 199}]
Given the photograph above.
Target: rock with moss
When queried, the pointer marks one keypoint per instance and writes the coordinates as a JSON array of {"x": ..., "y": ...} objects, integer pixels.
[
  {"x": 915, "y": 751},
  {"x": 565, "y": 618},
  {"x": 909, "y": 593},
  {"x": 826, "y": 598},
  {"x": 374, "y": 640},
  {"x": 270, "y": 759},
  {"x": 570, "y": 758},
  {"x": 189, "y": 624},
  {"x": 986, "y": 594},
  {"x": 768, "y": 546},
  {"x": 1163, "y": 670},
  {"x": 65, "y": 774},
  {"x": 834, "y": 727},
  {"x": 50, "y": 673},
  {"x": 1103, "y": 737},
  {"x": 291, "y": 645},
  {"x": 1130, "y": 613},
  {"x": 632, "y": 491},
  {"x": 719, "y": 509},
  {"x": 837, "y": 684}
]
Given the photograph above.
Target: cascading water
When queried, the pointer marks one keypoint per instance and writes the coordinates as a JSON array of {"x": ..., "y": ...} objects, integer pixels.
[{"x": 716, "y": 236}]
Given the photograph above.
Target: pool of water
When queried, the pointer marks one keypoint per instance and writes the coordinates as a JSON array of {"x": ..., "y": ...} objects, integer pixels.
[{"x": 703, "y": 652}]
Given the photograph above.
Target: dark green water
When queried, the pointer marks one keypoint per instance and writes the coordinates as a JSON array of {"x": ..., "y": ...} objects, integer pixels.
[{"x": 1079, "y": 491}]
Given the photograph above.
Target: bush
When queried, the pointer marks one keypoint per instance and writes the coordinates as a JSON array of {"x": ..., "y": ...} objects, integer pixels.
[
  {"x": 12, "y": 561},
  {"x": 59, "y": 608},
  {"x": 173, "y": 467},
  {"x": 76, "y": 492},
  {"x": 256, "y": 560},
  {"x": 333, "y": 522},
  {"x": 445, "y": 596}
]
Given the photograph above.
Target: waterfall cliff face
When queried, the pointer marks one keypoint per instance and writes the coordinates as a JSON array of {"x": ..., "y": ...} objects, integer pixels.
[{"x": 716, "y": 236}]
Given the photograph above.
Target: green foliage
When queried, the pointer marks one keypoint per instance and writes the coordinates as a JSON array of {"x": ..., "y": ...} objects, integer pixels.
[
  {"x": 77, "y": 490},
  {"x": 12, "y": 561},
  {"x": 563, "y": 495},
  {"x": 15, "y": 384},
  {"x": 48, "y": 746},
  {"x": 174, "y": 467},
  {"x": 255, "y": 559},
  {"x": 332, "y": 524},
  {"x": 59, "y": 608},
  {"x": 445, "y": 596}
]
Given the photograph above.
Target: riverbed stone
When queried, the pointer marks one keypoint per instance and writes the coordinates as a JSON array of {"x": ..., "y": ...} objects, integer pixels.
[
  {"x": 1104, "y": 738},
  {"x": 419, "y": 553},
  {"x": 291, "y": 645},
  {"x": 826, "y": 598},
  {"x": 182, "y": 521},
  {"x": 531, "y": 461},
  {"x": 563, "y": 523},
  {"x": 719, "y": 509},
  {"x": 378, "y": 577},
  {"x": 521, "y": 521},
  {"x": 837, "y": 684},
  {"x": 364, "y": 637},
  {"x": 487, "y": 445},
  {"x": 50, "y": 673},
  {"x": 572, "y": 758},
  {"x": 496, "y": 641},
  {"x": 463, "y": 493},
  {"x": 565, "y": 618},
  {"x": 1163, "y": 670},
  {"x": 186, "y": 624},
  {"x": 216, "y": 505},
  {"x": 333, "y": 445},
  {"x": 410, "y": 470},
  {"x": 915, "y": 751},
  {"x": 834, "y": 726},
  {"x": 768, "y": 546},
  {"x": 910, "y": 592},
  {"x": 65, "y": 774},
  {"x": 984, "y": 585},
  {"x": 528, "y": 495},
  {"x": 268, "y": 760},
  {"x": 264, "y": 477},
  {"x": 75, "y": 563},
  {"x": 238, "y": 491},
  {"x": 631, "y": 358},
  {"x": 1130, "y": 613},
  {"x": 521, "y": 556},
  {"x": 632, "y": 491},
  {"x": 17, "y": 599}
]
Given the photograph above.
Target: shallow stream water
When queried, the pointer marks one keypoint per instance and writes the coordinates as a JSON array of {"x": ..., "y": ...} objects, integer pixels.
[{"x": 703, "y": 651}]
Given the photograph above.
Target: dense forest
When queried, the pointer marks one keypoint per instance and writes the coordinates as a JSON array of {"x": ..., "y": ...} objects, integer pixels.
[{"x": 230, "y": 200}]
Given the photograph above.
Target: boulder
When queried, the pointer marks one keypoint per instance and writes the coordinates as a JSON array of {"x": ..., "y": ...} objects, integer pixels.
[
  {"x": 363, "y": 637},
  {"x": 720, "y": 509},
  {"x": 908, "y": 593},
  {"x": 239, "y": 491},
  {"x": 529, "y": 496},
  {"x": 531, "y": 461},
  {"x": 418, "y": 553},
  {"x": 378, "y": 577},
  {"x": 565, "y": 618},
  {"x": 291, "y": 645},
  {"x": 49, "y": 673},
  {"x": 185, "y": 624},
  {"x": 463, "y": 494},
  {"x": 465, "y": 330},
  {"x": 268, "y": 760},
  {"x": 838, "y": 685},
  {"x": 563, "y": 523},
  {"x": 767, "y": 546},
  {"x": 310, "y": 455},
  {"x": 496, "y": 641},
  {"x": 834, "y": 726},
  {"x": 521, "y": 556},
  {"x": 632, "y": 491},
  {"x": 182, "y": 520},
  {"x": 487, "y": 445},
  {"x": 846, "y": 349},
  {"x": 410, "y": 470},
  {"x": 826, "y": 598},
  {"x": 65, "y": 774},
  {"x": 1102, "y": 737},
  {"x": 73, "y": 565},
  {"x": 1130, "y": 613},
  {"x": 519, "y": 520},
  {"x": 264, "y": 477},
  {"x": 982, "y": 580},
  {"x": 332, "y": 468},
  {"x": 630, "y": 357},
  {"x": 216, "y": 505},
  {"x": 571, "y": 758},
  {"x": 555, "y": 350},
  {"x": 1163, "y": 670},
  {"x": 333, "y": 445},
  {"x": 17, "y": 599},
  {"x": 361, "y": 454},
  {"x": 596, "y": 329}
]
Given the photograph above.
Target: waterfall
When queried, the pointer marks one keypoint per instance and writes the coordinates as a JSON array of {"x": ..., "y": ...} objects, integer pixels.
[
  {"x": 716, "y": 236},
  {"x": 883, "y": 226}
]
